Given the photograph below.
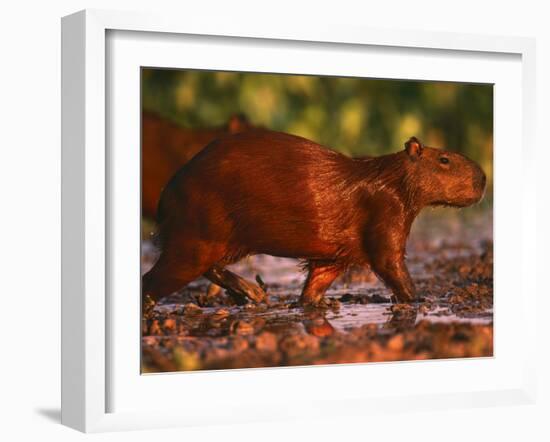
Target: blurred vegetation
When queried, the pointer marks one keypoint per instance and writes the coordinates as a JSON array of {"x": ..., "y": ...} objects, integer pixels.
[{"x": 355, "y": 116}]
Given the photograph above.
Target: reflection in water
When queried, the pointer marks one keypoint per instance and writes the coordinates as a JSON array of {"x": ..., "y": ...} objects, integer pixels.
[
  {"x": 396, "y": 317},
  {"x": 402, "y": 316},
  {"x": 316, "y": 324},
  {"x": 284, "y": 317}
]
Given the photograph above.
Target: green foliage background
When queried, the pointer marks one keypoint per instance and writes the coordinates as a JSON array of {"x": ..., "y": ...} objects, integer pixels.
[{"x": 355, "y": 116}]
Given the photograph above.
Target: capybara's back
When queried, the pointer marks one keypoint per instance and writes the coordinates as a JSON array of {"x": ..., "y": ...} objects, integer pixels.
[
  {"x": 262, "y": 192},
  {"x": 274, "y": 193},
  {"x": 167, "y": 146}
]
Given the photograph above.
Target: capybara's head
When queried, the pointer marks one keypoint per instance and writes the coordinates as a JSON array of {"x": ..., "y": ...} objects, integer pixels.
[{"x": 440, "y": 177}]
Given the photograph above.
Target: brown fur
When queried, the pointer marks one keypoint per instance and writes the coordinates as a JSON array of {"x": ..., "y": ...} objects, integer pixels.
[
  {"x": 166, "y": 147},
  {"x": 268, "y": 192}
]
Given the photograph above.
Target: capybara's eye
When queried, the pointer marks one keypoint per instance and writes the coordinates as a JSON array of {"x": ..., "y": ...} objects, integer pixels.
[{"x": 444, "y": 160}]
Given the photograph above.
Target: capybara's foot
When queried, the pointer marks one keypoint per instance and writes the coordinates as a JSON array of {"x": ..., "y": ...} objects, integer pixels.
[
  {"x": 317, "y": 302},
  {"x": 402, "y": 299},
  {"x": 246, "y": 290},
  {"x": 238, "y": 288}
]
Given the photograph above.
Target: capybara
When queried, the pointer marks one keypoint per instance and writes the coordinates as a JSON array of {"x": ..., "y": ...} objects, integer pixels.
[
  {"x": 269, "y": 192},
  {"x": 167, "y": 146}
]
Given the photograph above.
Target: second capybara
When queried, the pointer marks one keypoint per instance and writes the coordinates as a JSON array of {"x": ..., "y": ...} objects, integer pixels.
[
  {"x": 274, "y": 193},
  {"x": 166, "y": 146}
]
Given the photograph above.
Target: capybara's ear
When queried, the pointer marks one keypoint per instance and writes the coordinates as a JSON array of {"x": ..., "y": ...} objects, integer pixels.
[
  {"x": 414, "y": 147},
  {"x": 238, "y": 123}
]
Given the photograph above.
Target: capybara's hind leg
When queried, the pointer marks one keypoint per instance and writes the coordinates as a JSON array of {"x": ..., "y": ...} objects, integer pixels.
[
  {"x": 319, "y": 279},
  {"x": 236, "y": 286},
  {"x": 173, "y": 271}
]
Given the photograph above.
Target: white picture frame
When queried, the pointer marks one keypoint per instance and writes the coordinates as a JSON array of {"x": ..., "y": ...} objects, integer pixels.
[{"x": 87, "y": 356}]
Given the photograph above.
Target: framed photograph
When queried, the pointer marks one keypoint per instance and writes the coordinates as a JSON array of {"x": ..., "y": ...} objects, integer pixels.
[{"x": 254, "y": 213}]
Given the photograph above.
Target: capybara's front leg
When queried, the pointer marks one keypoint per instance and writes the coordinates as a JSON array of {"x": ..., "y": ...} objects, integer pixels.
[
  {"x": 236, "y": 286},
  {"x": 319, "y": 279},
  {"x": 396, "y": 276}
]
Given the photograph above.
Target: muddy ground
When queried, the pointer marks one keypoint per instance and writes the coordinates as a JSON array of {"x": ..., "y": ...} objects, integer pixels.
[{"x": 450, "y": 257}]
